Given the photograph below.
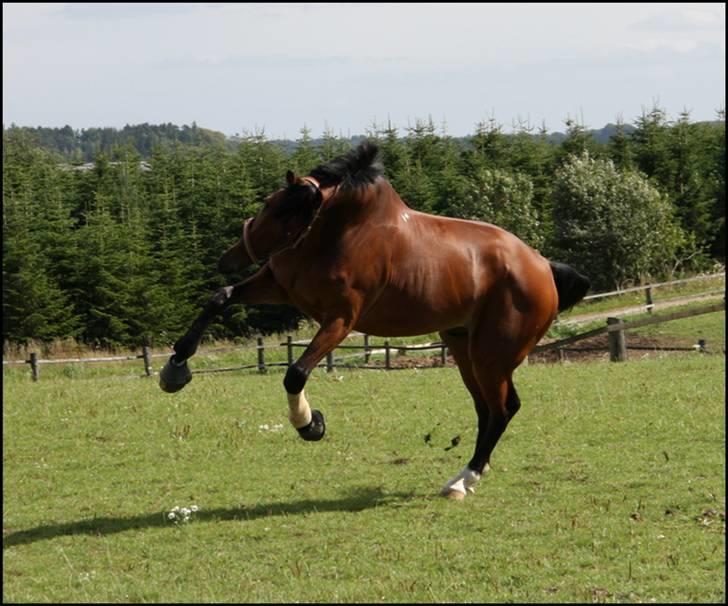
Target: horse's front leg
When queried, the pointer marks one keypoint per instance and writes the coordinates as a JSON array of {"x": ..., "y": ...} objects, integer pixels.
[
  {"x": 310, "y": 423},
  {"x": 259, "y": 288}
]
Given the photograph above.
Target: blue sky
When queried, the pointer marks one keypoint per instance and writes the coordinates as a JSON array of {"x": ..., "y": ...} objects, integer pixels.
[{"x": 344, "y": 67}]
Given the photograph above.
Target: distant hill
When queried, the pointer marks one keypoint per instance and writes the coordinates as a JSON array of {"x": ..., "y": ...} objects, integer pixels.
[
  {"x": 79, "y": 146},
  {"x": 83, "y": 145},
  {"x": 601, "y": 135}
]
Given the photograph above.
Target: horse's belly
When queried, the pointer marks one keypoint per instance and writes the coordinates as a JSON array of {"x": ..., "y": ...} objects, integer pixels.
[{"x": 394, "y": 316}]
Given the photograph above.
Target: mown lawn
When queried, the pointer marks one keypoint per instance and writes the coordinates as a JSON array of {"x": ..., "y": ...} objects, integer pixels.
[{"x": 608, "y": 486}]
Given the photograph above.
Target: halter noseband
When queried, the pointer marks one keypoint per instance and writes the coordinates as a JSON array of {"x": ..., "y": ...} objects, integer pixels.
[{"x": 246, "y": 226}]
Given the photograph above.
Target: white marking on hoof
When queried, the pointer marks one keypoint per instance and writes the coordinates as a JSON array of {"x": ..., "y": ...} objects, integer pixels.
[
  {"x": 299, "y": 411},
  {"x": 462, "y": 484}
]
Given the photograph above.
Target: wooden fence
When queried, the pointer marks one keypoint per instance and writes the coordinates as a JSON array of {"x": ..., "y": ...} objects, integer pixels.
[
  {"x": 615, "y": 328},
  {"x": 648, "y": 288},
  {"x": 650, "y": 304}
]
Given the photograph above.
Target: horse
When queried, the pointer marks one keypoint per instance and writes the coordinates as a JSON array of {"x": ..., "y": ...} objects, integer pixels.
[{"x": 341, "y": 246}]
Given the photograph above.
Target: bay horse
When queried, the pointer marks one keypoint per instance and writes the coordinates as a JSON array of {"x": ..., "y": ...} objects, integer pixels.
[{"x": 342, "y": 246}]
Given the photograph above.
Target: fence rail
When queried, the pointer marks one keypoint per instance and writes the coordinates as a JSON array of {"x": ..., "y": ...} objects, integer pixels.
[
  {"x": 615, "y": 329},
  {"x": 649, "y": 287}
]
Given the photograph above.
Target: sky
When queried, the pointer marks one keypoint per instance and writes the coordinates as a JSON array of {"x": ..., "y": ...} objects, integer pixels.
[{"x": 348, "y": 68}]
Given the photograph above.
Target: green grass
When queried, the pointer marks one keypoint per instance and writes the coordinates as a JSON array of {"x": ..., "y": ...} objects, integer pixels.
[
  {"x": 608, "y": 486},
  {"x": 710, "y": 327}
]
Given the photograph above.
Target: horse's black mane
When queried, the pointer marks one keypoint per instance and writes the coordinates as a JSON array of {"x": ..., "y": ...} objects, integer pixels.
[{"x": 358, "y": 167}]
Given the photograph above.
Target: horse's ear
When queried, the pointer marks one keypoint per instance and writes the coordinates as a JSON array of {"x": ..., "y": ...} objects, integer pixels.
[{"x": 290, "y": 177}]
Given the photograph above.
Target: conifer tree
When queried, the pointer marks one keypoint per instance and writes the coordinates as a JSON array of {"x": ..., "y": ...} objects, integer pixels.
[
  {"x": 332, "y": 146},
  {"x": 306, "y": 156},
  {"x": 489, "y": 147},
  {"x": 689, "y": 180},
  {"x": 36, "y": 235},
  {"x": 619, "y": 148},
  {"x": 650, "y": 145}
]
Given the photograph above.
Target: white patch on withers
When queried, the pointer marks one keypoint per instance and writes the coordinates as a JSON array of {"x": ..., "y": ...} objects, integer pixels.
[
  {"x": 462, "y": 483},
  {"x": 299, "y": 412},
  {"x": 405, "y": 217}
]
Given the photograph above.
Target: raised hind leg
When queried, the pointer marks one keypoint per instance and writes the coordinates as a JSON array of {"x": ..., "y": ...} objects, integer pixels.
[{"x": 259, "y": 288}]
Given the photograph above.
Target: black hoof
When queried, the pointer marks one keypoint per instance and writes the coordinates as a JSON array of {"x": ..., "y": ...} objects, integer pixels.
[
  {"x": 315, "y": 430},
  {"x": 172, "y": 378}
]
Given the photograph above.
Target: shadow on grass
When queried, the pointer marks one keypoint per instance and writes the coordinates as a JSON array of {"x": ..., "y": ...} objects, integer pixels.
[{"x": 361, "y": 499}]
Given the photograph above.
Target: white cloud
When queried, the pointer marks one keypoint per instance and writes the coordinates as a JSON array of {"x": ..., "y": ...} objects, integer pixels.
[
  {"x": 680, "y": 45},
  {"x": 232, "y": 66},
  {"x": 685, "y": 19}
]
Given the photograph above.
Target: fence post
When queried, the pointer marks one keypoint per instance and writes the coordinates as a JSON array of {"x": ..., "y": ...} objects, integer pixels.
[
  {"x": 366, "y": 349},
  {"x": 648, "y": 299},
  {"x": 34, "y": 369},
  {"x": 147, "y": 355},
  {"x": 261, "y": 355},
  {"x": 617, "y": 342},
  {"x": 386, "y": 356},
  {"x": 443, "y": 354},
  {"x": 330, "y": 361},
  {"x": 289, "y": 346}
]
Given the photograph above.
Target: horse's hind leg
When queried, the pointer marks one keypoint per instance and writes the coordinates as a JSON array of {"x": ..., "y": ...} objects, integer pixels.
[
  {"x": 457, "y": 341},
  {"x": 497, "y": 343},
  {"x": 503, "y": 403},
  {"x": 496, "y": 403}
]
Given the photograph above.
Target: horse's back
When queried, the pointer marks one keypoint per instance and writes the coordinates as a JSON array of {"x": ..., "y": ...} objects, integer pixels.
[{"x": 441, "y": 272}]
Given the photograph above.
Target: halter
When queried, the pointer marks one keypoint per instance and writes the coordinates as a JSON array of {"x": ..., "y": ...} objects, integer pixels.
[
  {"x": 246, "y": 241},
  {"x": 246, "y": 225}
]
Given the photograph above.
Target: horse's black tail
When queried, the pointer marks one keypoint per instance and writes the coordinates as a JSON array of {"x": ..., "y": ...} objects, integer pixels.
[{"x": 570, "y": 284}]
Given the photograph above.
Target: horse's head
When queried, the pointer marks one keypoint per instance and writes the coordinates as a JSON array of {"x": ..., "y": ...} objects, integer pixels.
[{"x": 279, "y": 225}]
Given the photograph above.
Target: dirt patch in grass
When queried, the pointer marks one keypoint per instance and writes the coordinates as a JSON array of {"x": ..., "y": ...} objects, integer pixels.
[{"x": 597, "y": 348}]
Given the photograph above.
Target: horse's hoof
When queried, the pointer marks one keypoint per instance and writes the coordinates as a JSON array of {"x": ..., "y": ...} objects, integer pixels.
[
  {"x": 172, "y": 378},
  {"x": 315, "y": 430},
  {"x": 455, "y": 495}
]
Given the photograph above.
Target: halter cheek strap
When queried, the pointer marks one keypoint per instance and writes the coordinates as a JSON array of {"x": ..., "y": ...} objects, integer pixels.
[{"x": 246, "y": 241}]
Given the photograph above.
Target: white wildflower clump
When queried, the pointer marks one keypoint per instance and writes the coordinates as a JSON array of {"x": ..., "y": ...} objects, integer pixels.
[
  {"x": 182, "y": 514},
  {"x": 266, "y": 427}
]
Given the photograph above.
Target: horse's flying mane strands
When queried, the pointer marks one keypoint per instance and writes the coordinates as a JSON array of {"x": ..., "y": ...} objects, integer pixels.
[{"x": 358, "y": 167}]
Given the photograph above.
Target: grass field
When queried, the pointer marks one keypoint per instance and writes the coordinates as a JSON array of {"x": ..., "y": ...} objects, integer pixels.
[{"x": 609, "y": 486}]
